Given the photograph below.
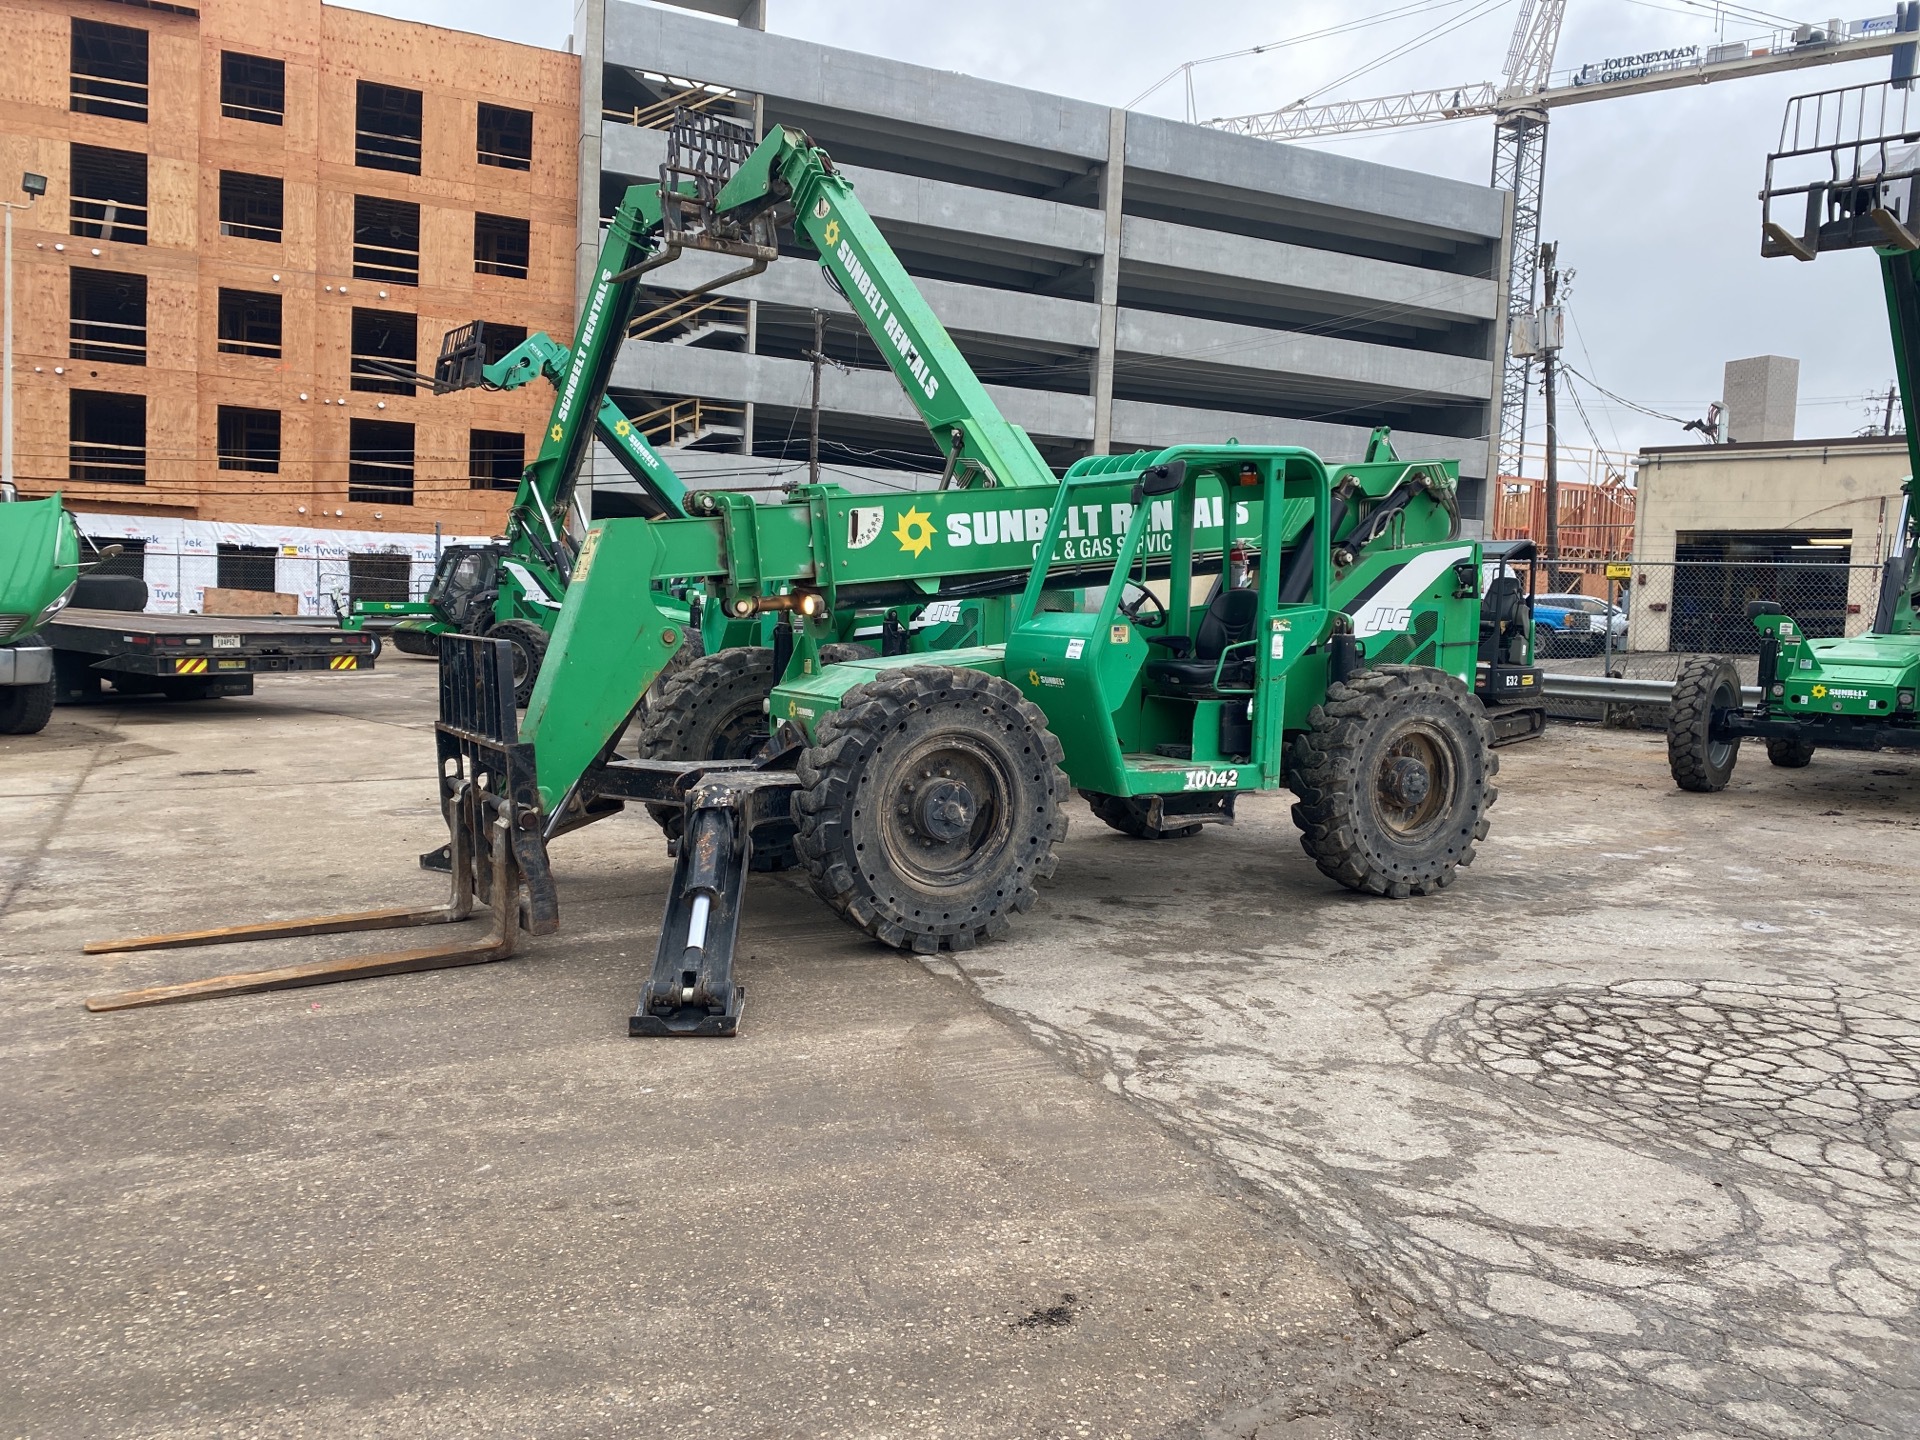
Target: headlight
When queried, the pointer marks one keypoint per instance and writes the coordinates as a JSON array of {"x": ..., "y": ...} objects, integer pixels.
[{"x": 55, "y": 608}]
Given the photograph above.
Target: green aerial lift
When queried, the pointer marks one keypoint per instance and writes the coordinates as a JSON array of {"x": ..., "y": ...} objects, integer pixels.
[
  {"x": 1165, "y": 631},
  {"x": 1854, "y": 166}
]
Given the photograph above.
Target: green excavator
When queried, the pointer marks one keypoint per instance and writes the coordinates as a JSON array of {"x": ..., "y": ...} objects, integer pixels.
[{"x": 1165, "y": 631}]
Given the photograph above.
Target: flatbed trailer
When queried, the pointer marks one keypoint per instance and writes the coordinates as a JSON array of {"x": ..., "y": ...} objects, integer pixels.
[{"x": 192, "y": 657}]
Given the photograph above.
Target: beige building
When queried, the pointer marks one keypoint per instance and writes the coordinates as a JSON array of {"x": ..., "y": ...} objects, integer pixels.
[
  {"x": 1803, "y": 522},
  {"x": 251, "y": 205}
]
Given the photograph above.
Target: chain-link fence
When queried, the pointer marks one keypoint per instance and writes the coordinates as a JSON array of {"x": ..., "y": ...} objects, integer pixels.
[
  {"x": 262, "y": 580},
  {"x": 1700, "y": 606}
]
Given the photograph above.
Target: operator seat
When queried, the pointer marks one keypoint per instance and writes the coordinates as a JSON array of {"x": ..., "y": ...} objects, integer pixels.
[
  {"x": 1502, "y": 609},
  {"x": 1229, "y": 619}
]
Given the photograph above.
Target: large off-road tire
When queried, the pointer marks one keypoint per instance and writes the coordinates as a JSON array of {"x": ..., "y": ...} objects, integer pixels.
[
  {"x": 931, "y": 805},
  {"x": 1789, "y": 753},
  {"x": 1395, "y": 777},
  {"x": 529, "y": 643},
  {"x": 692, "y": 647},
  {"x": 1128, "y": 815},
  {"x": 1706, "y": 685},
  {"x": 25, "y": 709}
]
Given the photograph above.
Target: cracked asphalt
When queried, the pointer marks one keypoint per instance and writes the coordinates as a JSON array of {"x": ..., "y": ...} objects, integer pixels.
[{"x": 1616, "y": 1137}]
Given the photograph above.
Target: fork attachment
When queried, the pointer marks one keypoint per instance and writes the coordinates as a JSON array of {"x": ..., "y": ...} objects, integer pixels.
[{"x": 495, "y": 852}]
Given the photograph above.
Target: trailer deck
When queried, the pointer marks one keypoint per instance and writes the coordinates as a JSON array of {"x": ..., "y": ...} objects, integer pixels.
[{"x": 192, "y": 656}]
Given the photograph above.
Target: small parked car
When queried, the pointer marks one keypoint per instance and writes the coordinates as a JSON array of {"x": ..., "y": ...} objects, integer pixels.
[{"x": 1569, "y": 624}]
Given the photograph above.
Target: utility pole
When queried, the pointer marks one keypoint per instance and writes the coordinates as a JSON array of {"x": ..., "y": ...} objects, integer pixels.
[
  {"x": 1548, "y": 354},
  {"x": 35, "y": 186},
  {"x": 1886, "y": 425},
  {"x": 819, "y": 358}
]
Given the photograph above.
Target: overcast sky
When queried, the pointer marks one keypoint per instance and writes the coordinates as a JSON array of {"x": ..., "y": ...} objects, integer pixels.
[{"x": 1652, "y": 199}]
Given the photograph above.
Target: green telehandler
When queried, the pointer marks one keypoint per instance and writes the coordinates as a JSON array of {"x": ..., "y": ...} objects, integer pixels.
[
  {"x": 1845, "y": 177},
  {"x": 1165, "y": 631}
]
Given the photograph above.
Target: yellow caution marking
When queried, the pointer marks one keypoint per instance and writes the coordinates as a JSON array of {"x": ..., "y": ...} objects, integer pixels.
[
  {"x": 195, "y": 665},
  {"x": 344, "y": 662}
]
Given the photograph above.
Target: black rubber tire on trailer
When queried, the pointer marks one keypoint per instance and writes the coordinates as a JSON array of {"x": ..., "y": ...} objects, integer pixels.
[
  {"x": 1128, "y": 815},
  {"x": 931, "y": 805},
  {"x": 25, "y": 709},
  {"x": 1395, "y": 778},
  {"x": 110, "y": 592},
  {"x": 1789, "y": 753},
  {"x": 413, "y": 642},
  {"x": 1706, "y": 684},
  {"x": 374, "y": 644},
  {"x": 529, "y": 643}
]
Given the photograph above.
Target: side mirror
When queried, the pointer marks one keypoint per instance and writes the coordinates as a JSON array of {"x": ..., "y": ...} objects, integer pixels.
[
  {"x": 112, "y": 552},
  {"x": 1164, "y": 479}
]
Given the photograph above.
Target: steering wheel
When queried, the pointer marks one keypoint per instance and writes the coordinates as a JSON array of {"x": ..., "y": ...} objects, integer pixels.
[{"x": 1145, "y": 609}]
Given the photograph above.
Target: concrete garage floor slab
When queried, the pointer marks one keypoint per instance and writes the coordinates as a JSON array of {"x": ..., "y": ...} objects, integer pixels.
[{"x": 1613, "y": 1138}]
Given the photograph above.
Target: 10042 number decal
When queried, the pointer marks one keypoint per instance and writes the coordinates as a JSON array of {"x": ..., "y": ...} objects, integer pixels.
[{"x": 1212, "y": 780}]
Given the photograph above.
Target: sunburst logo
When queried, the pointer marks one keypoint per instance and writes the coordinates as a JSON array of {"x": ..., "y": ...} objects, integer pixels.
[
  {"x": 832, "y": 233},
  {"x": 623, "y": 429},
  {"x": 915, "y": 532},
  {"x": 556, "y": 433},
  {"x": 1819, "y": 692}
]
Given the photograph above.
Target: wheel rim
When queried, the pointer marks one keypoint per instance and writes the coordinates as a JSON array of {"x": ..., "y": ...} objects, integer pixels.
[
  {"x": 1719, "y": 752},
  {"x": 738, "y": 734},
  {"x": 1414, "y": 781},
  {"x": 945, "y": 813}
]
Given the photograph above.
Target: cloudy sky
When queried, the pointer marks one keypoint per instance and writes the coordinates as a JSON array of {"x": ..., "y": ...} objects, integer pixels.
[{"x": 1652, "y": 199}]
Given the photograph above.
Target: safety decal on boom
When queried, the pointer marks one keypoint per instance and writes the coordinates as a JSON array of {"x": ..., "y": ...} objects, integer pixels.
[
  {"x": 1387, "y": 604},
  {"x": 190, "y": 665}
]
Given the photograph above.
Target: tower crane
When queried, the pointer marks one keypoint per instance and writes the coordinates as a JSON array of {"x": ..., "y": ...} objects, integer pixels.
[{"x": 1520, "y": 101}]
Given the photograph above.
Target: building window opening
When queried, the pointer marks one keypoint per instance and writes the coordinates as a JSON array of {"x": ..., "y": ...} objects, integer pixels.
[
  {"x": 387, "y": 129},
  {"x": 380, "y": 462},
  {"x": 505, "y": 137},
  {"x": 245, "y": 567},
  {"x": 495, "y": 459},
  {"x": 386, "y": 240},
  {"x": 382, "y": 341},
  {"x": 252, "y": 207},
  {"x": 109, "y": 71},
  {"x": 497, "y": 340},
  {"x": 249, "y": 439},
  {"x": 108, "y": 195},
  {"x": 249, "y": 324},
  {"x": 252, "y": 87},
  {"x": 132, "y": 559},
  {"x": 108, "y": 317},
  {"x": 374, "y": 575},
  {"x": 106, "y": 437},
  {"x": 501, "y": 246}
]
